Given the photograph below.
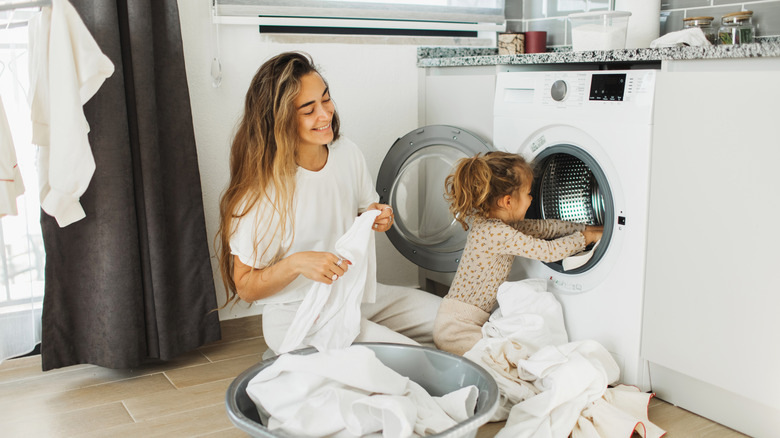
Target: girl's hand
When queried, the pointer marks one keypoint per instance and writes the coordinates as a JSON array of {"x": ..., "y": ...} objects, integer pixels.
[
  {"x": 324, "y": 267},
  {"x": 592, "y": 234},
  {"x": 385, "y": 220}
]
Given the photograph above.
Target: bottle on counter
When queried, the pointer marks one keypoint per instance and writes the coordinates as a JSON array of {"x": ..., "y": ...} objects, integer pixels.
[
  {"x": 737, "y": 28},
  {"x": 705, "y": 24}
]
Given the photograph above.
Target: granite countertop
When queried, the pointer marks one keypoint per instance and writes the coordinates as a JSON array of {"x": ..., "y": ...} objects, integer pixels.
[{"x": 471, "y": 56}]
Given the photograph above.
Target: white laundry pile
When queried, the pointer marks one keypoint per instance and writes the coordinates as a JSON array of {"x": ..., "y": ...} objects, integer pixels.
[
  {"x": 329, "y": 316},
  {"x": 350, "y": 393},
  {"x": 551, "y": 387},
  {"x": 67, "y": 68},
  {"x": 11, "y": 184}
]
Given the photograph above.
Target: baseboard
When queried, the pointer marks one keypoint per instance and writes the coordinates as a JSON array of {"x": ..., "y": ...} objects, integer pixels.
[{"x": 717, "y": 404}]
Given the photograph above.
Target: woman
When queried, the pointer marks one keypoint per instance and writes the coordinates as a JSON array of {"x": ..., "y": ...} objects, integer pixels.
[{"x": 295, "y": 187}]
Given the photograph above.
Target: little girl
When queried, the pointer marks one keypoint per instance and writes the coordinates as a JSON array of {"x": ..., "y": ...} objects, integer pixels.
[{"x": 492, "y": 192}]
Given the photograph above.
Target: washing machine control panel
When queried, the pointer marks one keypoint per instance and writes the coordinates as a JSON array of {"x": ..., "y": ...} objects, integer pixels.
[{"x": 609, "y": 86}]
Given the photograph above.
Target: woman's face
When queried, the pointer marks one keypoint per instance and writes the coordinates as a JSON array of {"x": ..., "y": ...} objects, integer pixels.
[{"x": 315, "y": 111}]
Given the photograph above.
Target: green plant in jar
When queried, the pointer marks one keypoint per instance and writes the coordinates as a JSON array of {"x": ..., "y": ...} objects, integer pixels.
[{"x": 737, "y": 28}]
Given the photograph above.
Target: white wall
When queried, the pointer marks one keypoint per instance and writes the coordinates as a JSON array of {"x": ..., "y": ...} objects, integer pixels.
[{"x": 373, "y": 82}]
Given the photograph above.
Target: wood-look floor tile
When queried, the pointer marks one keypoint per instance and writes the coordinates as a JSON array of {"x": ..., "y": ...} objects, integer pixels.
[
  {"x": 233, "y": 432},
  {"x": 489, "y": 430},
  {"x": 69, "y": 424},
  {"x": 196, "y": 422},
  {"x": 224, "y": 369},
  {"x": 229, "y": 350},
  {"x": 160, "y": 404},
  {"x": 678, "y": 422},
  {"x": 240, "y": 328},
  {"x": 82, "y": 398}
]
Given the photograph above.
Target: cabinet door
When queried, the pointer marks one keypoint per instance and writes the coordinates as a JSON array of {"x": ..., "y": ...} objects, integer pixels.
[
  {"x": 461, "y": 100},
  {"x": 712, "y": 296}
]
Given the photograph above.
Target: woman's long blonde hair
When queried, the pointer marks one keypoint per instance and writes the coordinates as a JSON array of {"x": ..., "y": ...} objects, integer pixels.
[
  {"x": 477, "y": 183},
  {"x": 262, "y": 158}
]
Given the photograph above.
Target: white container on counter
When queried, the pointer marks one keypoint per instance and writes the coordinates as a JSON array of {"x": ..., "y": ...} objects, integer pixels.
[
  {"x": 603, "y": 30},
  {"x": 645, "y": 23}
]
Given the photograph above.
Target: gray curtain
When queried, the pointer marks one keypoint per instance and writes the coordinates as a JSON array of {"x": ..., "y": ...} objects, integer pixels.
[{"x": 132, "y": 282}]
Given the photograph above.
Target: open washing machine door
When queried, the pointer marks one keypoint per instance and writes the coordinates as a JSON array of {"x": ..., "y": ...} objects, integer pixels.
[{"x": 411, "y": 180}]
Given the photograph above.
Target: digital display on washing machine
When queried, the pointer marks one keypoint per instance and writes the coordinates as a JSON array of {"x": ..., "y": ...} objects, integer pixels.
[{"x": 607, "y": 86}]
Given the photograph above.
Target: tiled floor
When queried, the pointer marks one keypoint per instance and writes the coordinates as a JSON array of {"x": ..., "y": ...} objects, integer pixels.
[{"x": 181, "y": 398}]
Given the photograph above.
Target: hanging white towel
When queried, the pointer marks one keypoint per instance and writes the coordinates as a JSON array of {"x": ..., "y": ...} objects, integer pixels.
[
  {"x": 66, "y": 69},
  {"x": 329, "y": 316},
  {"x": 11, "y": 184}
]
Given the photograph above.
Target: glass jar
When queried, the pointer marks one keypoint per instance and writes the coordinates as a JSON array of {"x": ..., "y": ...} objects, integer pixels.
[
  {"x": 705, "y": 24},
  {"x": 737, "y": 28}
]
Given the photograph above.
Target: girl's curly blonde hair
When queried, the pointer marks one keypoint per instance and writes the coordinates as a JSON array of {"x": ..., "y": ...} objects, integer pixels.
[{"x": 477, "y": 183}]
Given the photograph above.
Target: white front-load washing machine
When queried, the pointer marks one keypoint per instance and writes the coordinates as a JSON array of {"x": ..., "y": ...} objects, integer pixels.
[{"x": 588, "y": 136}]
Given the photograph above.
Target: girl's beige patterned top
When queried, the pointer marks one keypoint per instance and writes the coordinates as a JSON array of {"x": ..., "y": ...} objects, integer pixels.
[{"x": 492, "y": 245}]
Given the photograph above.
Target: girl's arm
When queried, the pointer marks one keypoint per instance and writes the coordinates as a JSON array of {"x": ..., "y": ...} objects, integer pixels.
[
  {"x": 253, "y": 284},
  {"x": 547, "y": 228},
  {"x": 504, "y": 239}
]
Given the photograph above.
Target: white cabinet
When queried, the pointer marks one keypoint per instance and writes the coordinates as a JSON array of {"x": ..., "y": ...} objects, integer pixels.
[{"x": 711, "y": 330}]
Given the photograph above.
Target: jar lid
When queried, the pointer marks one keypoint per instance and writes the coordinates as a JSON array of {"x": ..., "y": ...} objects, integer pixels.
[
  {"x": 698, "y": 18},
  {"x": 745, "y": 14}
]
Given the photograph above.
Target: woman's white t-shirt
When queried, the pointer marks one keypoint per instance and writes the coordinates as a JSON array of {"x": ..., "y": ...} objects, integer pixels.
[{"x": 325, "y": 205}]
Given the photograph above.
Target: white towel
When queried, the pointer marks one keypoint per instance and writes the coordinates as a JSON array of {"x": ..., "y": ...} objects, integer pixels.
[
  {"x": 349, "y": 392},
  {"x": 329, "y": 316},
  {"x": 528, "y": 315},
  {"x": 11, "y": 184},
  {"x": 579, "y": 259},
  {"x": 66, "y": 69},
  {"x": 692, "y": 36}
]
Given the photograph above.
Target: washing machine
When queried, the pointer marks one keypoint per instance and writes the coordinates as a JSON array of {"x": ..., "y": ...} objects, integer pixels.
[{"x": 588, "y": 136}]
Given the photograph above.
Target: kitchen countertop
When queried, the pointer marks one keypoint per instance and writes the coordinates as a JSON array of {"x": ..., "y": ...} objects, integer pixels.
[{"x": 471, "y": 56}]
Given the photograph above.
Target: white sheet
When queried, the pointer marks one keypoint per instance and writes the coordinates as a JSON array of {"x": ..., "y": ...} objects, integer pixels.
[
  {"x": 349, "y": 392},
  {"x": 329, "y": 316}
]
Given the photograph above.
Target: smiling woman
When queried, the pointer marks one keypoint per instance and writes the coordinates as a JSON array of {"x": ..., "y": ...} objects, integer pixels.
[{"x": 296, "y": 186}]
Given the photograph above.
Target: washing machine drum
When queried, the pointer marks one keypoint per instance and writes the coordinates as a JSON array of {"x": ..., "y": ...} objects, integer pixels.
[
  {"x": 570, "y": 185},
  {"x": 411, "y": 180}
]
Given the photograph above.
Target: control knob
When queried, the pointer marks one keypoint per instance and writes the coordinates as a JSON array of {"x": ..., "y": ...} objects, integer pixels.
[{"x": 558, "y": 90}]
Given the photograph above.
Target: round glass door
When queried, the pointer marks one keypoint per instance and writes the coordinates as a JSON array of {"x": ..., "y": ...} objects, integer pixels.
[
  {"x": 570, "y": 185},
  {"x": 411, "y": 180}
]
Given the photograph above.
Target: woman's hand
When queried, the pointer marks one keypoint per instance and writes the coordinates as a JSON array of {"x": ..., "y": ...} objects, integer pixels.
[
  {"x": 592, "y": 234},
  {"x": 385, "y": 220},
  {"x": 324, "y": 267}
]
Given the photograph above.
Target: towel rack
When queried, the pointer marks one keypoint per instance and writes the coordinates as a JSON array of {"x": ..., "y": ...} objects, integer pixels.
[{"x": 27, "y": 4}]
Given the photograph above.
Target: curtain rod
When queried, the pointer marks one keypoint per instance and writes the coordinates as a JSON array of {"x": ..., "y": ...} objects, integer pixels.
[{"x": 20, "y": 5}]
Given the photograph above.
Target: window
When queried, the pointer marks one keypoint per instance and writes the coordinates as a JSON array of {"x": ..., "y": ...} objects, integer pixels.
[{"x": 432, "y": 15}]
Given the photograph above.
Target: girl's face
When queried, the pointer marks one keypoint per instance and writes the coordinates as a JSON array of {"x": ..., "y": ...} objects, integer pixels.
[
  {"x": 522, "y": 200},
  {"x": 314, "y": 111}
]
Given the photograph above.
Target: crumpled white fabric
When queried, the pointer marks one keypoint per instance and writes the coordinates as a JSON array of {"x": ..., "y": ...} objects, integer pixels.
[
  {"x": 329, "y": 316},
  {"x": 552, "y": 389},
  {"x": 527, "y": 314},
  {"x": 693, "y": 36},
  {"x": 349, "y": 392},
  {"x": 579, "y": 259},
  {"x": 11, "y": 184}
]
